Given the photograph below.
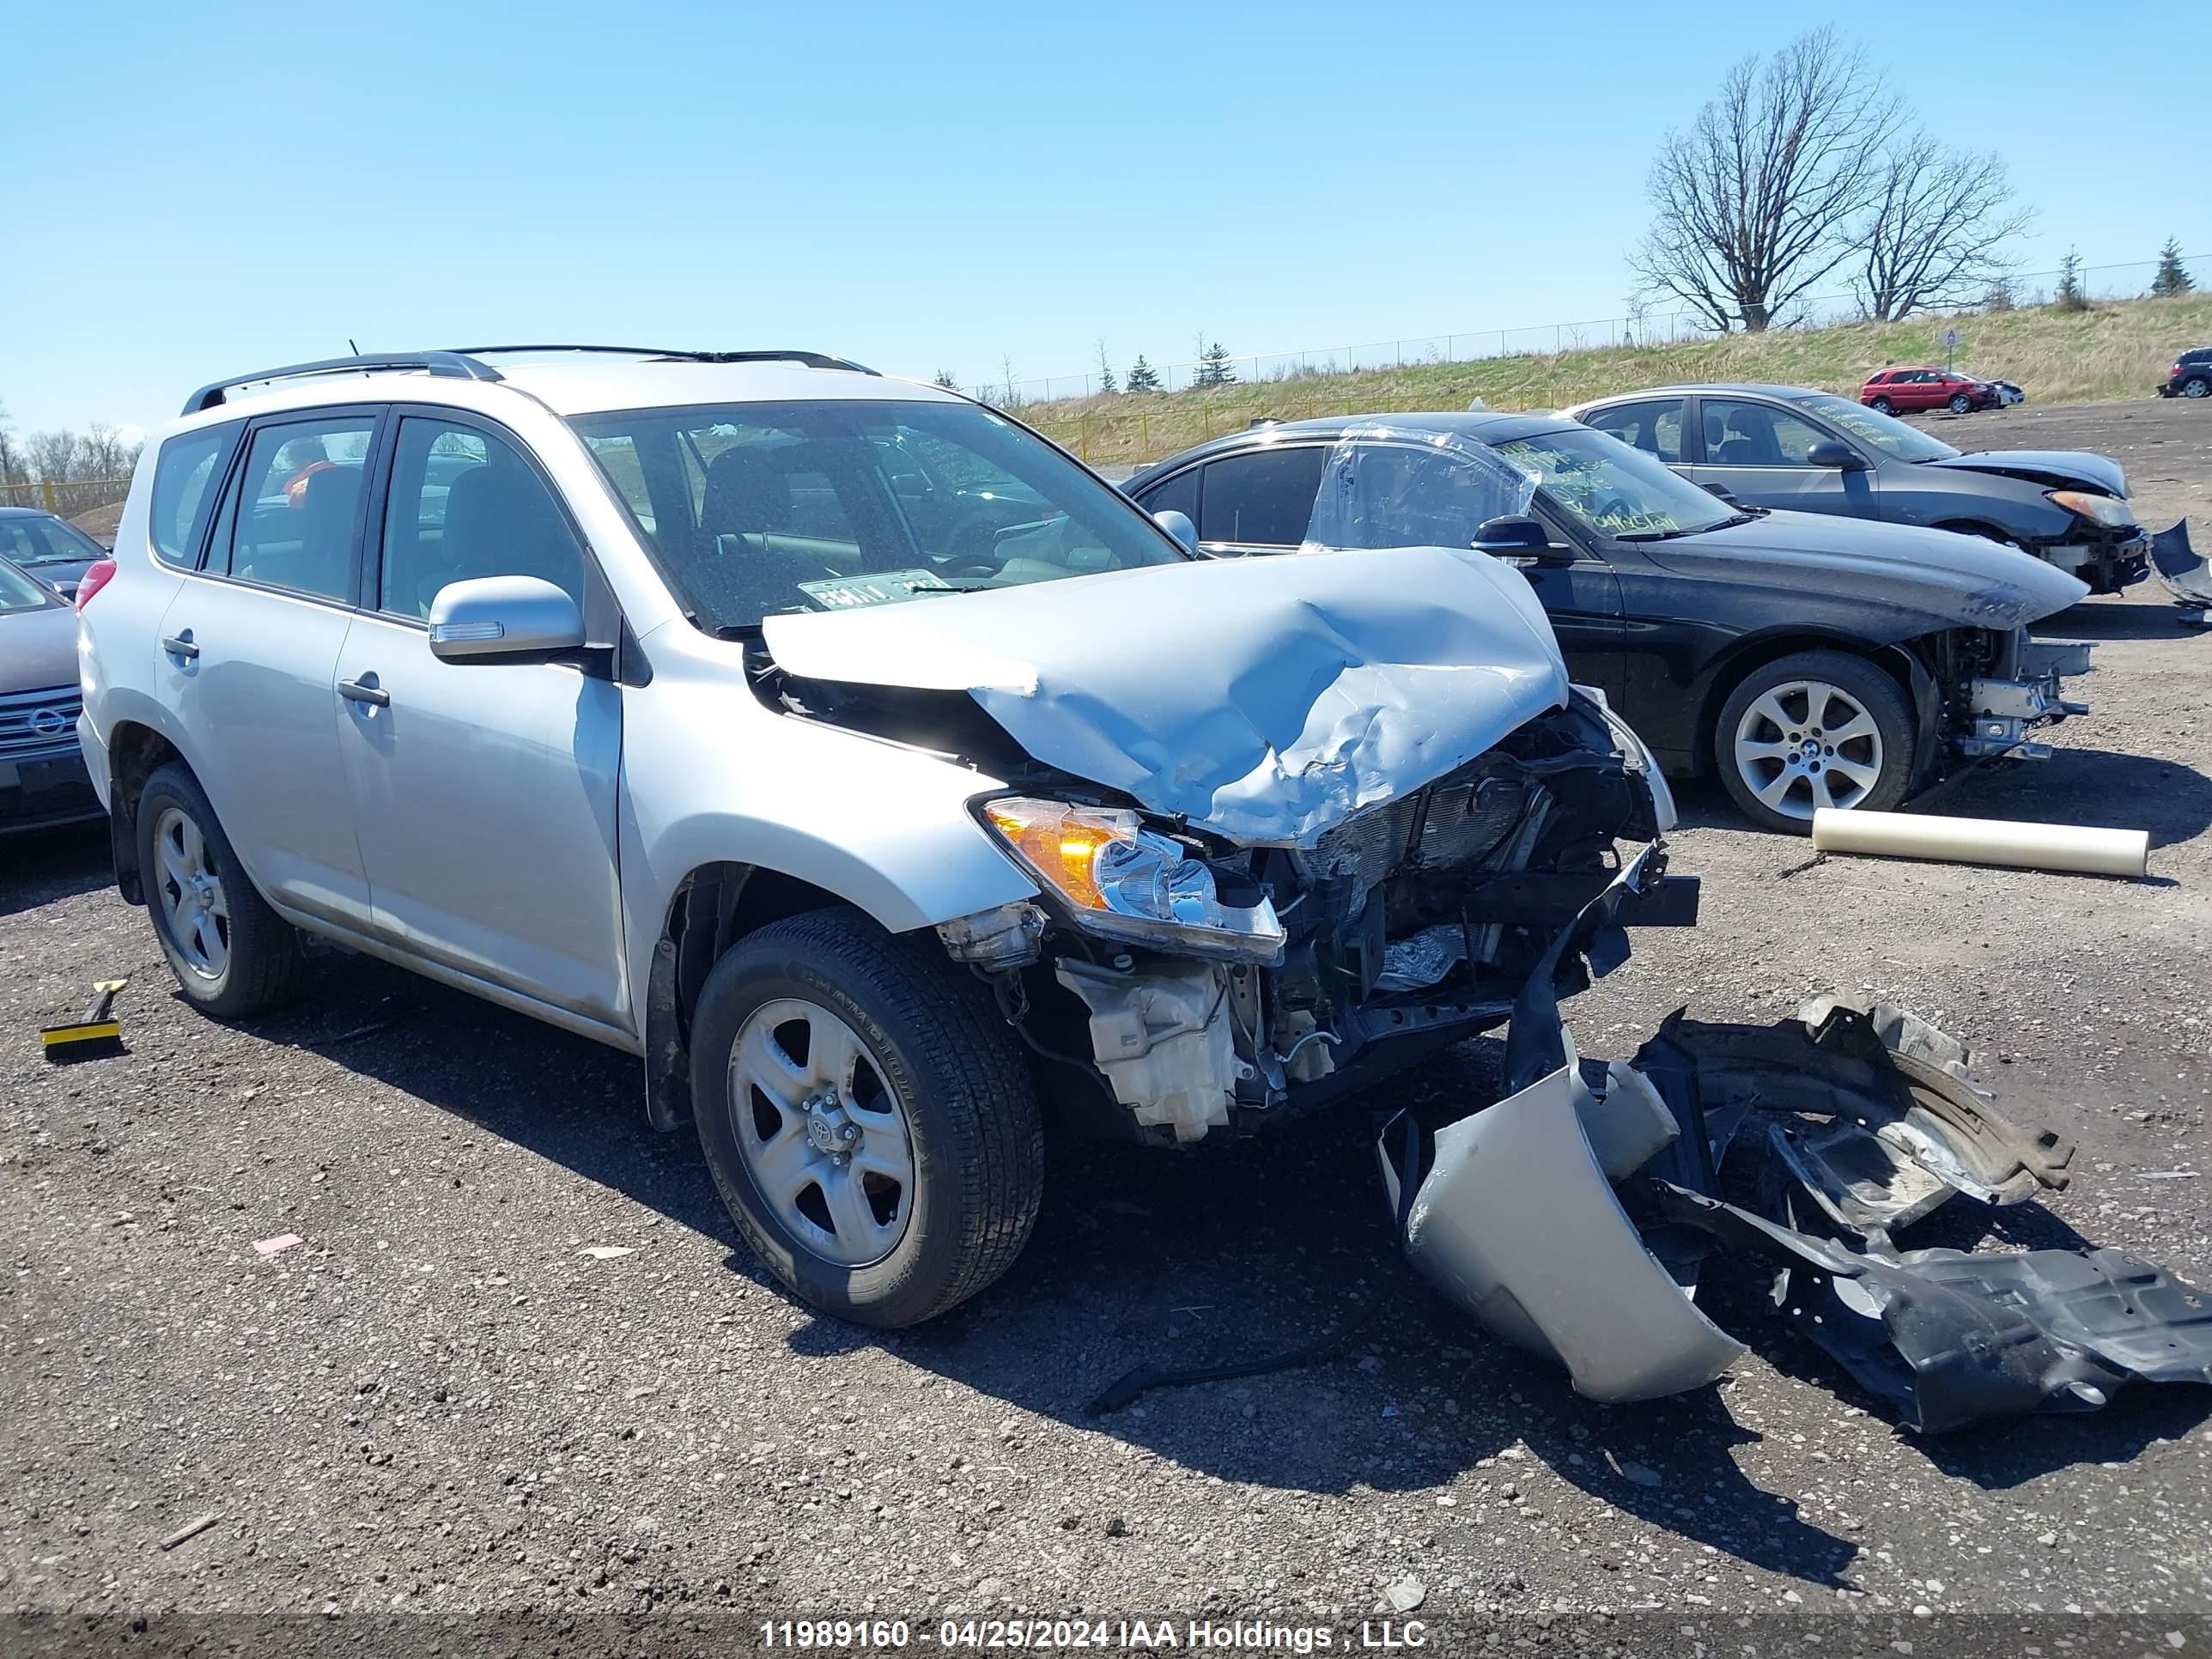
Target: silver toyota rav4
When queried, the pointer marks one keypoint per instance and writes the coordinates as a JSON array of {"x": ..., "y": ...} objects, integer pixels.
[{"x": 861, "y": 762}]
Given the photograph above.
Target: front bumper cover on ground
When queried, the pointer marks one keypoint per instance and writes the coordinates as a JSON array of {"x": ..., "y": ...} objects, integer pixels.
[{"x": 1572, "y": 1219}]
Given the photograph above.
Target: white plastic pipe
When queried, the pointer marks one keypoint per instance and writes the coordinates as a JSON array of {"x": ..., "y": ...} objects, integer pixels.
[{"x": 1983, "y": 841}]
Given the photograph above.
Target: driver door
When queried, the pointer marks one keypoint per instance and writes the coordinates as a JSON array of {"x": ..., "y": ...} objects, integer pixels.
[{"x": 1759, "y": 452}]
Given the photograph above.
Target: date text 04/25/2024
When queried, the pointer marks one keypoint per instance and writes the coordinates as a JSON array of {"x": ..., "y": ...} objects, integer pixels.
[{"x": 1240, "y": 1635}]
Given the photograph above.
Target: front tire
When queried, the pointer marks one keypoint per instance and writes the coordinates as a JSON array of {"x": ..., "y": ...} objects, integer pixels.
[
  {"x": 1819, "y": 728},
  {"x": 1883, "y": 406},
  {"x": 233, "y": 956},
  {"x": 870, "y": 1123}
]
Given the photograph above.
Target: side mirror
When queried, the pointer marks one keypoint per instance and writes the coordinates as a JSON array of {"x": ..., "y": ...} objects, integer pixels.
[
  {"x": 1519, "y": 538},
  {"x": 503, "y": 618},
  {"x": 1178, "y": 524},
  {"x": 1831, "y": 452}
]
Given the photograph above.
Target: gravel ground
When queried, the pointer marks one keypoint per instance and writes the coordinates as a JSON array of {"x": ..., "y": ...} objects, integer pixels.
[{"x": 444, "y": 1400}]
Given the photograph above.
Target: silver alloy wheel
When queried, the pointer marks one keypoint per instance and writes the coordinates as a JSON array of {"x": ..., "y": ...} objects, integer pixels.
[
  {"x": 193, "y": 905},
  {"x": 1807, "y": 744},
  {"x": 823, "y": 1136},
  {"x": 2196, "y": 387}
]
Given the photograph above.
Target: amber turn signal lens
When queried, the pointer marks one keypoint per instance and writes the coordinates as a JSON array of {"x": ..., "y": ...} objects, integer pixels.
[{"x": 1059, "y": 843}]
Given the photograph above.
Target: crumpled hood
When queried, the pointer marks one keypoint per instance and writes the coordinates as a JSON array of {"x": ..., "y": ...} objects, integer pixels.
[
  {"x": 2057, "y": 468},
  {"x": 1264, "y": 699},
  {"x": 1915, "y": 579},
  {"x": 38, "y": 649}
]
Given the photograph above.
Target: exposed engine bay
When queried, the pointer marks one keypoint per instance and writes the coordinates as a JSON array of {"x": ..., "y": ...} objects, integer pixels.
[
  {"x": 1989, "y": 689},
  {"x": 1406, "y": 926}
]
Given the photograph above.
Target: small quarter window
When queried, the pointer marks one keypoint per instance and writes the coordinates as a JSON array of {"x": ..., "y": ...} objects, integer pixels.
[{"x": 184, "y": 490}]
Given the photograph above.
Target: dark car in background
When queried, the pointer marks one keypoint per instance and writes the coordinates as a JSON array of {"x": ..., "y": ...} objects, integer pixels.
[
  {"x": 2190, "y": 375},
  {"x": 1813, "y": 661},
  {"x": 52, "y": 549},
  {"x": 42, "y": 776},
  {"x": 1910, "y": 391},
  {"x": 1812, "y": 452}
]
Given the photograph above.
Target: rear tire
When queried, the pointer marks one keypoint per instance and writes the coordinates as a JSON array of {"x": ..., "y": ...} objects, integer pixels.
[
  {"x": 1961, "y": 404},
  {"x": 233, "y": 956},
  {"x": 917, "y": 1073},
  {"x": 1819, "y": 728},
  {"x": 2196, "y": 386},
  {"x": 1882, "y": 406}
]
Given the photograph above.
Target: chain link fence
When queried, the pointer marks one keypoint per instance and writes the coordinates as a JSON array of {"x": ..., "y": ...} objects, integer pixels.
[{"x": 69, "y": 497}]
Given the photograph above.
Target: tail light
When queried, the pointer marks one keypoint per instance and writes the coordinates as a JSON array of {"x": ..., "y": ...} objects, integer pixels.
[{"x": 97, "y": 575}]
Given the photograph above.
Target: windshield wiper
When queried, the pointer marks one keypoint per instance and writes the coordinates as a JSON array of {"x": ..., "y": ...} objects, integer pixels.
[{"x": 979, "y": 585}]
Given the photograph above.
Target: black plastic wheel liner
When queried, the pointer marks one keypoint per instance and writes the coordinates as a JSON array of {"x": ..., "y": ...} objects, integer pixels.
[{"x": 1952, "y": 1339}]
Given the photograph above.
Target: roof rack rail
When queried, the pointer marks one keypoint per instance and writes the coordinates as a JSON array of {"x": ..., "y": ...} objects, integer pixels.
[
  {"x": 810, "y": 359},
  {"x": 452, "y": 365}
]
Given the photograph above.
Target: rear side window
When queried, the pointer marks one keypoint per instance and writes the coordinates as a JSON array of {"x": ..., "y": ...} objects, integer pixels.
[
  {"x": 1178, "y": 494},
  {"x": 292, "y": 524},
  {"x": 183, "y": 490},
  {"x": 1263, "y": 499}
]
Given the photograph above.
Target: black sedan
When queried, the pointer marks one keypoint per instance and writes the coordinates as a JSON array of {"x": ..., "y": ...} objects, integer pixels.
[
  {"x": 1812, "y": 452},
  {"x": 52, "y": 549},
  {"x": 1815, "y": 661}
]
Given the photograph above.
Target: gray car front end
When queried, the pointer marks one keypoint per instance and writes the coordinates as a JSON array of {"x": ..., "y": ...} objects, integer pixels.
[{"x": 42, "y": 771}]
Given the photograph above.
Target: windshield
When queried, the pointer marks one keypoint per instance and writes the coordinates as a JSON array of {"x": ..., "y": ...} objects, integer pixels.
[
  {"x": 1614, "y": 488},
  {"x": 754, "y": 510},
  {"x": 1886, "y": 433},
  {"x": 19, "y": 592},
  {"x": 38, "y": 541}
]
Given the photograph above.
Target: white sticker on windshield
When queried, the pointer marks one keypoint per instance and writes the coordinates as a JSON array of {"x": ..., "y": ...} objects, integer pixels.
[{"x": 889, "y": 587}]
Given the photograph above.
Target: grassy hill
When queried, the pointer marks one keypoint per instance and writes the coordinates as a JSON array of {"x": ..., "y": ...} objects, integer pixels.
[{"x": 2115, "y": 349}]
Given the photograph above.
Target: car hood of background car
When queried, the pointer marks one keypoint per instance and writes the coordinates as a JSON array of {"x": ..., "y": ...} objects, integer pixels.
[
  {"x": 38, "y": 649},
  {"x": 1263, "y": 699},
  {"x": 2058, "y": 468},
  {"x": 1912, "y": 579}
]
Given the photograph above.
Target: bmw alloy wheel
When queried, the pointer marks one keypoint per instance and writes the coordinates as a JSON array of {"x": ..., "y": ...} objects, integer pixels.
[
  {"x": 824, "y": 1138},
  {"x": 1805, "y": 745}
]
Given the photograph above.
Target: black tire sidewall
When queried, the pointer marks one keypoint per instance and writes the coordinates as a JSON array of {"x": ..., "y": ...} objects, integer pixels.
[
  {"x": 1962, "y": 405},
  {"x": 2203, "y": 386},
  {"x": 771, "y": 966},
  {"x": 1878, "y": 694},
  {"x": 1883, "y": 406},
  {"x": 171, "y": 787}
]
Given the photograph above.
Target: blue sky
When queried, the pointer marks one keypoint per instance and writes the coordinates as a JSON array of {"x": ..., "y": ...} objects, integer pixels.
[{"x": 196, "y": 191}]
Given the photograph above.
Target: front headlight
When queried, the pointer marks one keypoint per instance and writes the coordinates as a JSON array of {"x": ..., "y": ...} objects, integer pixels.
[
  {"x": 2106, "y": 510},
  {"x": 1637, "y": 754},
  {"x": 1122, "y": 881}
]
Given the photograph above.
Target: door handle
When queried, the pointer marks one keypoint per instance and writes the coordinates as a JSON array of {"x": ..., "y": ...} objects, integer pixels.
[
  {"x": 365, "y": 691},
  {"x": 181, "y": 645}
]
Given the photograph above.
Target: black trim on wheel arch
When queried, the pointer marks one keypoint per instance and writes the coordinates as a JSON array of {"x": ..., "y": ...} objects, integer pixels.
[{"x": 935, "y": 1037}]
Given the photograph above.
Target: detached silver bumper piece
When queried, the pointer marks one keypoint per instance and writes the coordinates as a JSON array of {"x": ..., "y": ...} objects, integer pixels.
[
  {"x": 1572, "y": 1217},
  {"x": 2187, "y": 577}
]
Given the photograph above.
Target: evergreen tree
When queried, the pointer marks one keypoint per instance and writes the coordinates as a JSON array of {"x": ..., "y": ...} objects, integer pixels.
[
  {"x": 1213, "y": 367},
  {"x": 2069, "y": 296},
  {"x": 1143, "y": 377},
  {"x": 1106, "y": 382},
  {"x": 2172, "y": 280},
  {"x": 945, "y": 379}
]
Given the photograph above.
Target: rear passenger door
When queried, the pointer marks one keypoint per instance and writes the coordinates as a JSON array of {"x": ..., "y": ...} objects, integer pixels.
[
  {"x": 248, "y": 655},
  {"x": 484, "y": 791}
]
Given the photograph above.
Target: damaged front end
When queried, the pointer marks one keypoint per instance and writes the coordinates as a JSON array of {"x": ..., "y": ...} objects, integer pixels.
[
  {"x": 1988, "y": 691},
  {"x": 1213, "y": 985},
  {"x": 1573, "y": 1217}
]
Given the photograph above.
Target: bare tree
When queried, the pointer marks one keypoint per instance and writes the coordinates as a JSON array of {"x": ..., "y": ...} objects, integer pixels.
[
  {"x": 1935, "y": 231},
  {"x": 12, "y": 468},
  {"x": 97, "y": 454},
  {"x": 1750, "y": 204}
]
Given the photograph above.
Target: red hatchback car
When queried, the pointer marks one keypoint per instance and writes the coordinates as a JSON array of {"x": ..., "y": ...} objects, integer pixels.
[{"x": 1902, "y": 391}]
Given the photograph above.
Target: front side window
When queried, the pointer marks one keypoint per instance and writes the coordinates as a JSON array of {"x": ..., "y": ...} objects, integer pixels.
[
  {"x": 1178, "y": 494},
  {"x": 34, "y": 542},
  {"x": 464, "y": 503},
  {"x": 184, "y": 490},
  {"x": 1614, "y": 490},
  {"x": 759, "y": 509},
  {"x": 292, "y": 522},
  {"x": 1261, "y": 499},
  {"x": 1756, "y": 434},
  {"x": 1892, "y": 436},
  {"x": 1653, "y": 427}
]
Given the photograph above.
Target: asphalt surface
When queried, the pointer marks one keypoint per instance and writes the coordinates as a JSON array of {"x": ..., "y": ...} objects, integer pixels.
[{"x": 443, "y": 1399}]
